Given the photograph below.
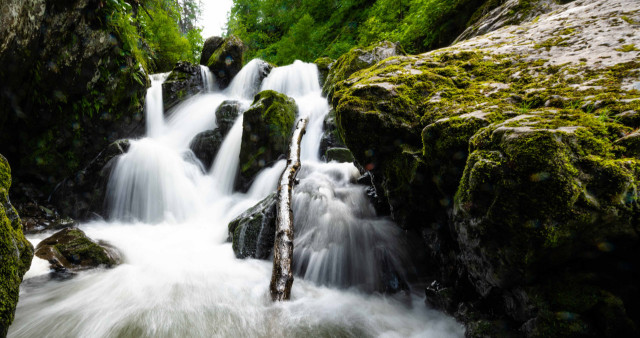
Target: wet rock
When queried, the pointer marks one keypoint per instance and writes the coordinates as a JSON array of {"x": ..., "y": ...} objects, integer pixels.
[
  {"x": 205, "y": 146},
  {"x": 82, "y": 195},
  {"x": 253, "y": 232},
  {"x": 70, "y": 250},
  {"x": 227, "y": 114},
  {"x": 15, "y": 251},
  {"x": 68, "y": 87},
  {"x": 357, "y": 59},
  {"x": 227, "y": 59},
  {"x": 340, "y": 155},
  {"x": 324, "y": 65},
  {"x": 266, "y": 128},
  {"x": 38, "y": 218},
  {"x": 330, "y": 136},
  {"x": 184, "y": 81},
  {"x": 209, "y": 47}
]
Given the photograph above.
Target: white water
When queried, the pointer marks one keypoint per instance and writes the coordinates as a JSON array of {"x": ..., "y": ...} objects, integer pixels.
[
  {"x": 181, "y": 279},
  {"x": 153, "y": 105},
  {"x": 208, "y": 81}
]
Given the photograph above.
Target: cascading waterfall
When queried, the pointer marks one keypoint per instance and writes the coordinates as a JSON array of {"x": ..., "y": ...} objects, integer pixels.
[
  {"x": 208, "y": 81},
  {"x": 180, "y": 277},
  {"x": 153, "y": 110}
]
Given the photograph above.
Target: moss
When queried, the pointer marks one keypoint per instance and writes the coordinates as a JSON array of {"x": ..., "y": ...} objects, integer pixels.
[
  {"x": 253, "y": 232},
  {"x": 15, "y": 251},
  {"x": 71, "y": 249},
  {"x": 628, "y": 48}
]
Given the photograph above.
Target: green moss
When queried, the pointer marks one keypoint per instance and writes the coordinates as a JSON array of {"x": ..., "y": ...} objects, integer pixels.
[{"x": 628, "y": 48}]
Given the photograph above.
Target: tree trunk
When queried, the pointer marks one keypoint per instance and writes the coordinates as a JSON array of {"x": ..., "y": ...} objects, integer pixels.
[{"x": 282, "y": 275}]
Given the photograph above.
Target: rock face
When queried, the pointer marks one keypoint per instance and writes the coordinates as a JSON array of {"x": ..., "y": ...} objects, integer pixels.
[
  {"x": 69, "y": 86},
  {"x": 253, "y": 232},
  {"x": 185, "y": 80},
  {"x": 82, "y": 195},
  {"x": 209, "y": 47},
  {"x": 70, "y": 250},
  {"x": 206, "y": 144},
  {"x": 15, "y": 251},
  {"x": 226, "y": 60},
  {"x": 266, "y": 128},
  {"x": 324, "y": 65},
  {"x": 506, "y": 154},
  {"x": 355, "y": 60}
]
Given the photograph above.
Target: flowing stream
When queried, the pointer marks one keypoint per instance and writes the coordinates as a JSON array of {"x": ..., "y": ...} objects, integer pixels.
[{"x": 180, "y": 277}]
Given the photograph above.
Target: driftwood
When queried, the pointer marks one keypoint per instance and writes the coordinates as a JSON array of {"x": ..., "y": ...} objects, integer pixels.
[{"x": 282, "y": 275}]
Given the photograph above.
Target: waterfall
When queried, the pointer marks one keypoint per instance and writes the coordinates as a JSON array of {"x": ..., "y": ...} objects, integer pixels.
[
  {"x": 180, "y": 277},
  {"x": 208, "y": 82}
]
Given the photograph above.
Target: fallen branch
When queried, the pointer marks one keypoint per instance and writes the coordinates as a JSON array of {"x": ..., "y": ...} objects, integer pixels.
[{"x": 282, "y": 275}]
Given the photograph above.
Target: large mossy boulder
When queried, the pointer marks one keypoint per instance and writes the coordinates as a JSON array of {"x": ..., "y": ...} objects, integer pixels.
[
  {"x": 15, "y": 251},
  {"x": 185, "y": 80},
  {"x": 82, "y": 195},
  {"x": 266, "y": 129},
  {"x": 209, "y": 47},
  {"x": 206, "y": 144},
  {"x": 226, "y": 60},
  {"x": 508, "y": 154},
  {"x": 70, "y": 86},
  {"x": 253, "y": 232},
  {"x": 70, "y": 250},
  {"x": 353, "y": 61}
]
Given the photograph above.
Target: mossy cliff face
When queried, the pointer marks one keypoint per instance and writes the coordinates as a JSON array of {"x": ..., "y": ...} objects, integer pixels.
[
  {"x": 69, "y": 88},
  {"x": 15, "y": 251},
  {"x": 513, "y": 155},
  {"x": 266, "y": 128}
]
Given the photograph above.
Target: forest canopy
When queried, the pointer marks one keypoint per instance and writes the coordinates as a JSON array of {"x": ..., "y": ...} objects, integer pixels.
[{"x": 281, "y": 31}]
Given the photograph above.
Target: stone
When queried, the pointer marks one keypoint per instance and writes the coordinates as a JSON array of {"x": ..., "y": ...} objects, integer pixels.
[
  {"x": 209, "y": 47},
  {"x": 226, "y": 115},
  {"x": 340, "y": 155},
  {"x": 70, "y": 250},
  {"x": 266, "y": 129},
  {"x": 227, "y": 60},
  {"x": 253, "y": 232},
  {"x": 184, "y": 81},
  {"x": 205, "y": 146},
  {"x": 15, "y": 251}
]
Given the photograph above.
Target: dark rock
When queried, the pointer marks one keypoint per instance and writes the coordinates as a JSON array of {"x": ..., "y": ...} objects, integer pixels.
[
  {"x": 15, "y": 251},
  {"x": 209, "y": 47},
  {"x": 629, "y": 118},
  {"x": 266, "y": 128},
  {"x": 68, "y": 88},
  {"x": 226, "y": 115},
  {"x": 330, "y": 136},
  {"x": 205, "y": 146},
  {"x": 339, "y": 155},
  {"x": 184, "y": 81},
  {"x": 37, "y": 218},
  {"x": 227, "y": 60},
  {"x": 253, "y": 232},
  {"x": 324, "y": 66},
  {"x": 70, "y": 250},
  {"x": 82, "y": 195}
]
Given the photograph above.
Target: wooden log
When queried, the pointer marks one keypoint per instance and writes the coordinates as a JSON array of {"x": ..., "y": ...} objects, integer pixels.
[{"x": 282, "y": 274}]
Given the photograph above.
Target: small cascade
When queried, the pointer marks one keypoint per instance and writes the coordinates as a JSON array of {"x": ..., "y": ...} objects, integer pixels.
[
  {"x": 297, "y": 79},
  {"x": 208, "y": 81},
  {"x": 245, "y": 85},
  {"x": 153, "y": 105},
  {"x": 226, "y": 164}
]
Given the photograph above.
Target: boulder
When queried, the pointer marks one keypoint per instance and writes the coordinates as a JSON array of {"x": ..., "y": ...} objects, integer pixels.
[
  {"x": 355, "y": 60},
  {"x": 37, "y": 218},
  {"x": 516, "y": 163},
  {"x": 324, "y": 65},
  {"x": 70, "y": 86},
  {"x": 266, "y": 129},
  {"x": 15, "y": 251},
  {"x": 70, "y": 250},
  {"x": 340, "y": 155},
  {"x": 82, "y": 195},
  {"x": 253, "y": 232},
  {"x": 330, "y": 136},
  {"x": 227, "y": 60},
  {"x": 206, "y": 144},
  {"x": 185, "y": 80},
  {"x": 209, "y": 47}
]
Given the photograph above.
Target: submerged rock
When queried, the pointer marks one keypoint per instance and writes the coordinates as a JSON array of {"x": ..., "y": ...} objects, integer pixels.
[
  {"x": 226, "y": 60},
  {"x": 253, "y": 232},
  {"x": 70, "y": 250},
  {"x": 185, "y": 80},
  {"x": 512, "y": 155},
  {"x": 266, "y": 128},
  {"x": 82, "y": 195},
  {"x": 15, "y": 251}
]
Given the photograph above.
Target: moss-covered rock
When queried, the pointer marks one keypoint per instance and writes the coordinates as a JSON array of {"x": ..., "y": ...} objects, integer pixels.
[
  {"x": 82, "y": 195},
  {"x": 209, "y": 47},
  {"x": 512, "y": 154},
  {"x": 70, "y": 86},
  {"x": 227, "y": 60},
  {"x": 356, "y": 59},
  {"x": 266, "y": 129},
  {"x": 15, "y": 251},
  {"x": 253, "y": 233},
  {"x": 341, "y": 155},
  {"x": 185, "y": 80},
  {"x": 324, "y": 65},
  {"x": 70, "y": 250}
]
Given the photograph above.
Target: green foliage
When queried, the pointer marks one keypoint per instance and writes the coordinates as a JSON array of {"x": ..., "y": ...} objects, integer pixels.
[
  {"x": 282, "y": 31},
  {"x": 159, "y": 32}
]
